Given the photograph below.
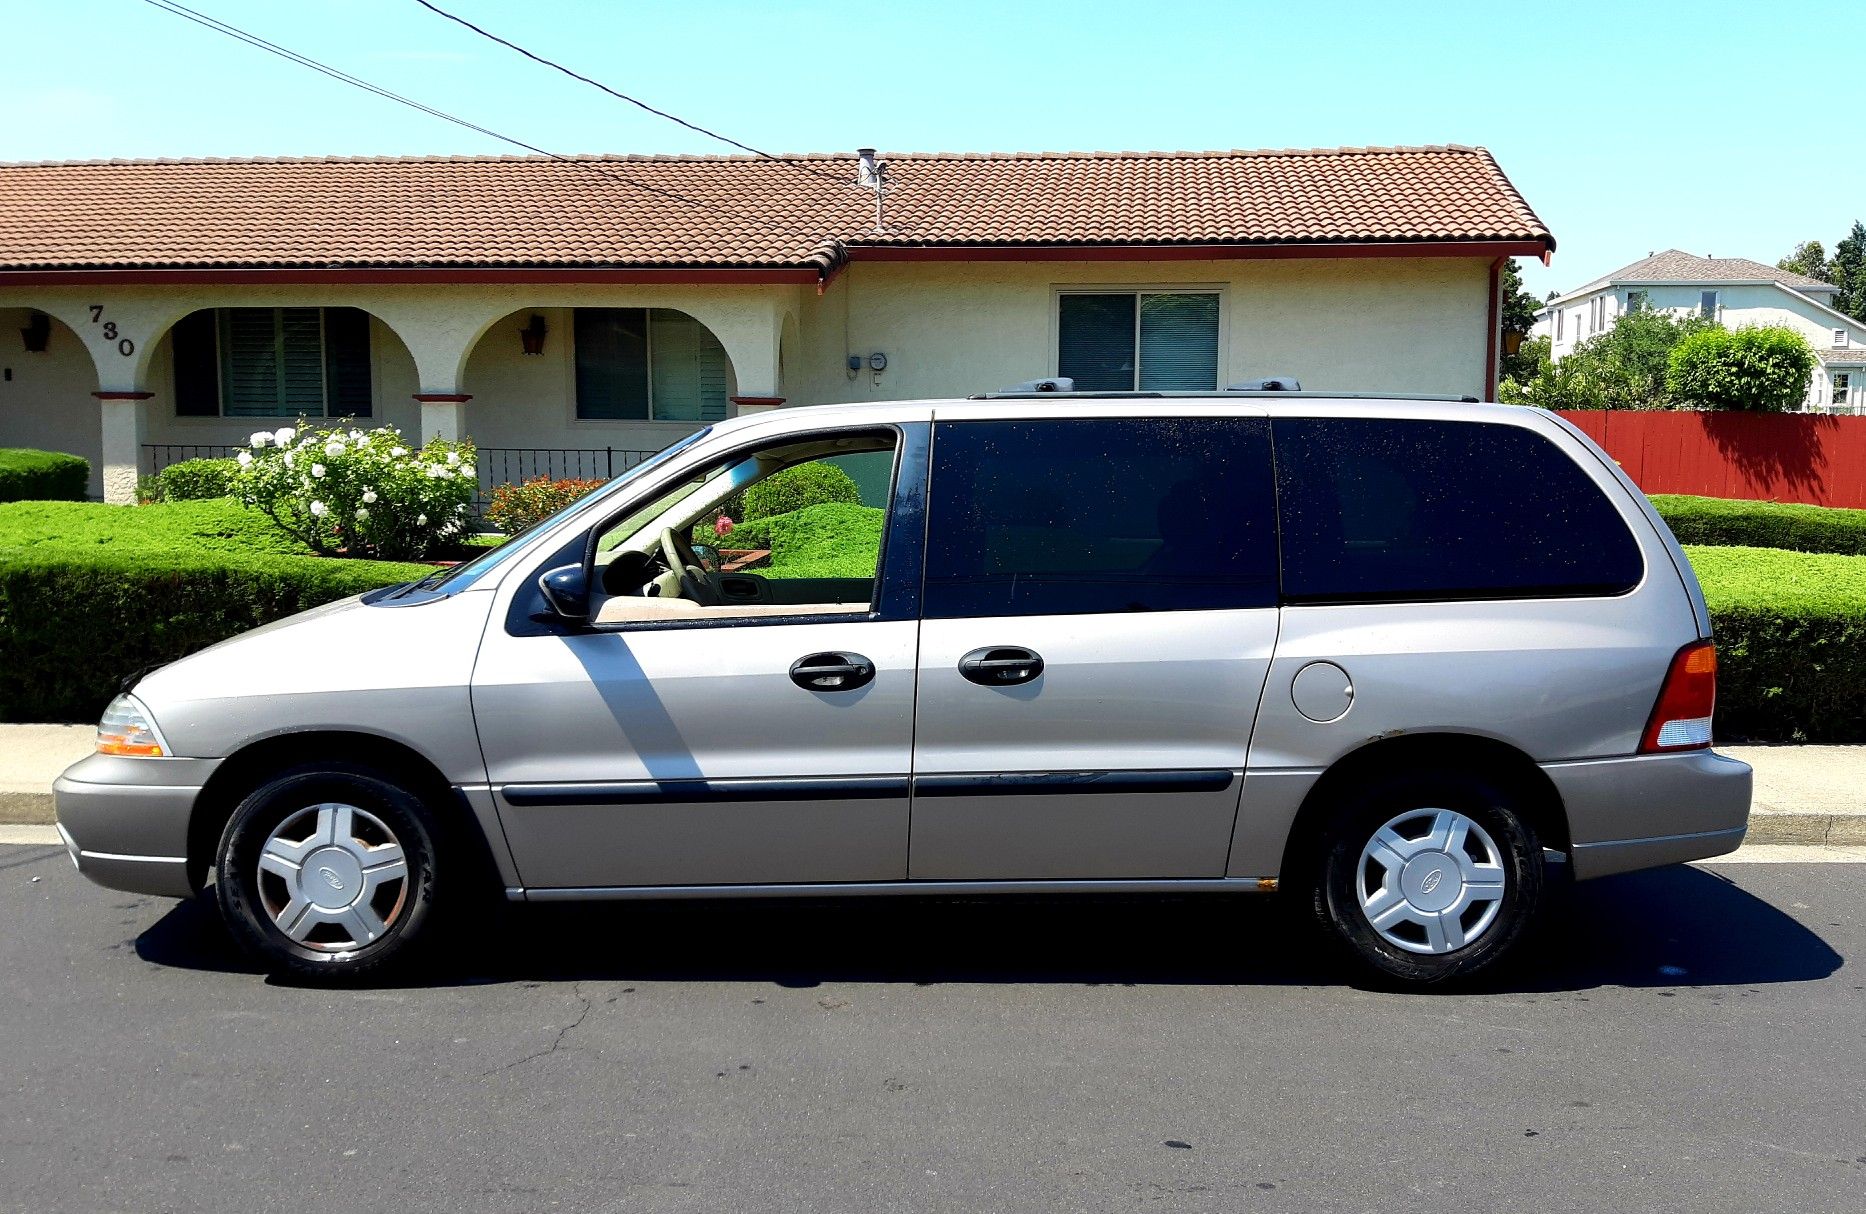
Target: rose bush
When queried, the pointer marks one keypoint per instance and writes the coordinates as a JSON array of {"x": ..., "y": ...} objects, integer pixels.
[
  {"x": 361, "y": 493},
  {"x": 515, "y": 507}
]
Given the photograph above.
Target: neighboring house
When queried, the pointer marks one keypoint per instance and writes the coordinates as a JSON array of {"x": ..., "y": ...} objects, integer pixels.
[
  {"x": 571, "y": 315},
  {"x": 1735, "y": 291}
]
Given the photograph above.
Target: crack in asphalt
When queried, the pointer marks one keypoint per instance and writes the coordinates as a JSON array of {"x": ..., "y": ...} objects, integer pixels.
[{"x": 557, "y": 1042}]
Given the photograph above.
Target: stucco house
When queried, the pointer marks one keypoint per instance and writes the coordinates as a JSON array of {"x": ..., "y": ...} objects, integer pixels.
[
  {"x": 571, "y": 314},
  {"x": 1735, "y": 291}
]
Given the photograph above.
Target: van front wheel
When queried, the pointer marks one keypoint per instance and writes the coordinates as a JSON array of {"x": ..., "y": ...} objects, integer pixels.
[
  {"x": 327, "y": 872},
  {"x": 1428, "y": 879}
]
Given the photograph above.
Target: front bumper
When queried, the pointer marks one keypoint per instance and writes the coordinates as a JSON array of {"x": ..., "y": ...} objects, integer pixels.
[
  {"x": 125, "y": 821},
  {"x": 1646, "y": 810}
]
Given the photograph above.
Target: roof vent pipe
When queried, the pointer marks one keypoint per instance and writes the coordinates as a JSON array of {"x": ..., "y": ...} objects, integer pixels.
[{"x": 872, "y": 174}]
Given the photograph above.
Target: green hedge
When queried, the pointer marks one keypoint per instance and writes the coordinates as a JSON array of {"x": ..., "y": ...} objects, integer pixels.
[
  {"x": 1791, "y": 643},
  {"x": 42, "y": 476},
  {"x": 190, "y": 480},
  {"x": 795, "y": 488},
  {"x": 830, "y": 539},
  {"x": 91, "y": 593},
  {"x": 1726, "y": 522}
]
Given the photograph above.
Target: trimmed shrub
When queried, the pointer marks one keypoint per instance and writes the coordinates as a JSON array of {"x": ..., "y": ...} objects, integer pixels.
[
  {"x": 361, "y": 493},
  {"x": 1791, "y": 643},
  {"x": 516, "y": 508},
  {"x": 796, "y": 488},
  {"x": 90, "y": 593},
  {"x": 1760, "y": 370},
  {"x": 192, "y": 480},
  {"x": 1731, "y": 523},
  {"x": 829, "y": 539},
  {"x": 42, "y": 476}
]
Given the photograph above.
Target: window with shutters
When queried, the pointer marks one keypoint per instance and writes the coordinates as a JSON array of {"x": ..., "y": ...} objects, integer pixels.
[
  {"x": 648, "y": 364},
  {"x": 1123, "y": 341},
  {"x": 272, "y": 362}
]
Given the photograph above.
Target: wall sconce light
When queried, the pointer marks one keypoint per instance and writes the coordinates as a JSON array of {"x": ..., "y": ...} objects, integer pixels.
[
  {"x": 532, "y": 335},
  {"x": 37, "y": 334}
]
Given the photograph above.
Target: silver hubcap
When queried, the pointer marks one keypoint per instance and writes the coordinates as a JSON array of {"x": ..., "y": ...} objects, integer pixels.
[
  {"x": 333, "y": 877},
  {"x": 1430, "y": 881}
]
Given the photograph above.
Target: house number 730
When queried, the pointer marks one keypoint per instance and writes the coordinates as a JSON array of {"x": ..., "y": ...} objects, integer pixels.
[{"x": 125, "y": 346}]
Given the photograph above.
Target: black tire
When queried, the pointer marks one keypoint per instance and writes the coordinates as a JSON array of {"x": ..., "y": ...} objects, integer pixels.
[
  {"x": 1337, "y": 879},
  {"x": 248, "y": 900}
]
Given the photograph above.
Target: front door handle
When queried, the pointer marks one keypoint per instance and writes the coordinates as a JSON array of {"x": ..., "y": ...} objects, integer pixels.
[
  {"x": 1001, "y": 665},
  {"x": 832, "y": 672}
]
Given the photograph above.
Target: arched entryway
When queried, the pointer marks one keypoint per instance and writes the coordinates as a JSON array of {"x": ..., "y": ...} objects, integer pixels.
[{"x": 589, "y": 391}]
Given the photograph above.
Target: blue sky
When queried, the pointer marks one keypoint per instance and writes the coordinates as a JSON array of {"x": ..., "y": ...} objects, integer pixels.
[{"x": 1630, "y": 126}]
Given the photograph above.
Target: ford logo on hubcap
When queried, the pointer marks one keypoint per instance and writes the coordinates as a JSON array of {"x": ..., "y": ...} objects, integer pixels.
[
  {"x": 1425, "y": 887},
  {"x": 336, "y": 882}
]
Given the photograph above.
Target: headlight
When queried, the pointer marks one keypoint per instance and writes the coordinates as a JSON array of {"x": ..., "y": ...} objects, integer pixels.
[{"x": 127, "y": 730}]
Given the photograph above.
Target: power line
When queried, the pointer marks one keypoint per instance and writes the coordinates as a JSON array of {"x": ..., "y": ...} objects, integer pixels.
[
  {"x": 621, "y": 96},
  {"x": 233, "y": 31}
]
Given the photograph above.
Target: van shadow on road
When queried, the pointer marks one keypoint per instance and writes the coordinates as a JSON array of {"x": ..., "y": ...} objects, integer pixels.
[{"x": 1674, "y": 928}]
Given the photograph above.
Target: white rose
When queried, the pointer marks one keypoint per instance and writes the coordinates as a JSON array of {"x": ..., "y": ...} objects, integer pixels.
[
  {"x": 421, "y": 520},
  {"x": 333, "y": 448},
  {"x": 260, "y": 438},
  {"x": 398, "y": 452},
  {"x": 288, "y": 459},
  {"x": 453, "y": 457},
  {"x": 362, "y": 513},
  {"x": 245, "y": 458},
  {"x": 317, "y": 470},
  {"x": 284, "y": 435},
  {"x": 369, "y": 496},
  {"x": 466, "y": 469},
  {"x": 319, "y": 509}
]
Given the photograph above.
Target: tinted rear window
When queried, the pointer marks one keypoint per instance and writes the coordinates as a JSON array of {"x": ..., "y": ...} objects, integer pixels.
[
  {"x": 1392, "y": 509},
  {"x": 1069, "y": 517}
]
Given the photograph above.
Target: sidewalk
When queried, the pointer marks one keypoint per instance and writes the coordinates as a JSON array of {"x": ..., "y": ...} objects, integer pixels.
[{"x": 1804, "y": 794}]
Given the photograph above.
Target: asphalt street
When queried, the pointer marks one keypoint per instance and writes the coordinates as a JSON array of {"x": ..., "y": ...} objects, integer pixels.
[{"x": 1688, "y": 1039}]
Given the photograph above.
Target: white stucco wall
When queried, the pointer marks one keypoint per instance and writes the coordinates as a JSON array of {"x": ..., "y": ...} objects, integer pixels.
[
  {"x": 948, "y": 329},
  {"x": 951, "y": 329}
]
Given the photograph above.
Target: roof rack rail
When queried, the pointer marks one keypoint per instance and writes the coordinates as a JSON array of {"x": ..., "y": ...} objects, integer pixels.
[{"x": 1226, "y": 394}]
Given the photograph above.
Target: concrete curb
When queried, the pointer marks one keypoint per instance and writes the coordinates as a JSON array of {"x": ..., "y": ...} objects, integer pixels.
[{"x": 19, "y": 807}]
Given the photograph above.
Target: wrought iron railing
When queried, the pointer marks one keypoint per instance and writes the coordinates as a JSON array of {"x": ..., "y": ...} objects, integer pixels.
[
  {"x": 157, "y": 456},
  {"x": 497, "y": 465}
]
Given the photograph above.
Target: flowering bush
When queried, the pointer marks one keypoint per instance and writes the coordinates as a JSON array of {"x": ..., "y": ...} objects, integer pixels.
[
  {"x": 363, "y": 493},
  {"x": 516, "y": 507}
]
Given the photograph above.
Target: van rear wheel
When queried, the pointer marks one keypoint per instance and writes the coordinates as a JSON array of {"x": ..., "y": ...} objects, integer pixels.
[
  {"x": 1425, "y": 879},
  {"x": 327, "y": 872}
]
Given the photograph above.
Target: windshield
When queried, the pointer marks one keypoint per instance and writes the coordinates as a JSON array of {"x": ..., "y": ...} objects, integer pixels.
[{"x": 460, "y": 576}]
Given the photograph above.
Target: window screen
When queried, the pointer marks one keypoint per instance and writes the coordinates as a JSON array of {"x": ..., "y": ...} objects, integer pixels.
[
  {"x": 1420, "y": 510},
  {"x": 1070, "y": 517},
  {"x": 634, "y": 364}
]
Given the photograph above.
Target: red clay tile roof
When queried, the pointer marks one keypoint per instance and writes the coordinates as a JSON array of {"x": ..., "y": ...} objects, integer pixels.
[{"x": 732, "y": 211}]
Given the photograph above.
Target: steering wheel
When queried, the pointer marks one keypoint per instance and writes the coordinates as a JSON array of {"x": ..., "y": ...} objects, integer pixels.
[{"x": 678, "y": 551}]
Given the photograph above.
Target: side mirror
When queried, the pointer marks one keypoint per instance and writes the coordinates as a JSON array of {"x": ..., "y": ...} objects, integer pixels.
[{"x": 567, "y": 589}]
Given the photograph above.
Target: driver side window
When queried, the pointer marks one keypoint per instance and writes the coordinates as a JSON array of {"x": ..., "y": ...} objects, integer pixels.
[{"x": 792, "y": 529}]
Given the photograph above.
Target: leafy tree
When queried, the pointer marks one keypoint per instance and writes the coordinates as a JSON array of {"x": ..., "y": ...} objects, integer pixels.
[
  {"x": 1847, "y": 270},
  {"x": 1519, "y": 316},
  {"x": 1623, "y": 368},
  {"x": 1529, "y": 361},
  {"x": 1757, "y": 370},
  {"x": 1809, "y": 258}
]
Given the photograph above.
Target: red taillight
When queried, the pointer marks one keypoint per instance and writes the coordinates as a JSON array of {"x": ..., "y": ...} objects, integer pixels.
[{"x": 1681, "y": 720}]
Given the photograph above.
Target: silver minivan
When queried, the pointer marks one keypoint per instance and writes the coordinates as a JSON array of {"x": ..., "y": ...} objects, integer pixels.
[{"x": 1406, "y": 660}]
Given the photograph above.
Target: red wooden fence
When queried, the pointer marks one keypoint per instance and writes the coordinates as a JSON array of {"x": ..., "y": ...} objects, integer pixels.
[{"x": 1782, "y": 457}]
